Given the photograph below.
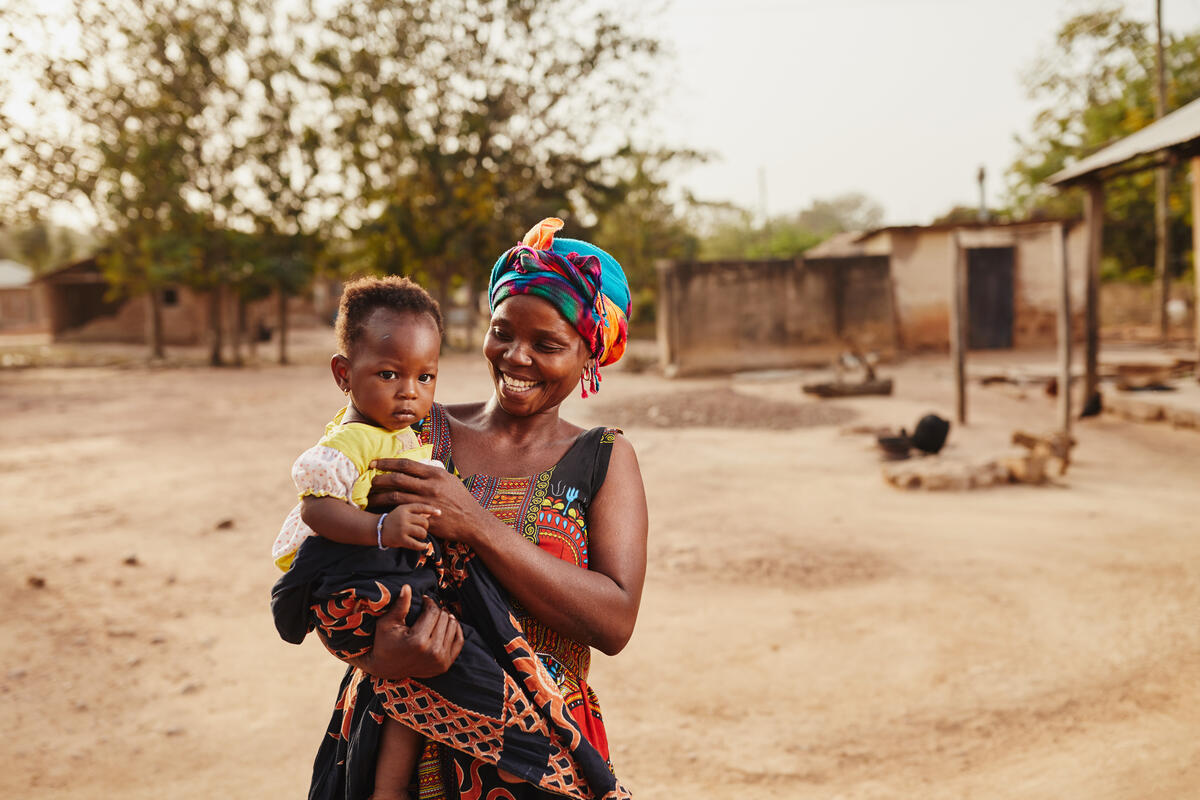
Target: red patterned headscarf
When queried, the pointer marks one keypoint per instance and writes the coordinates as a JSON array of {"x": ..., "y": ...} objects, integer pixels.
[{"x": 585, "y": 284}]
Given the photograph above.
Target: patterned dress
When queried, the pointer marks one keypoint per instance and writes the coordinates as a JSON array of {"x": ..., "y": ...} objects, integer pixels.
[
  {"x": 550, "y": 510},
  {"x": 516, "y": 698}
]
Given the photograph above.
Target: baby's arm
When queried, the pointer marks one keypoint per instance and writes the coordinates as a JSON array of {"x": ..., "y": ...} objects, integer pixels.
[{"x": 333, "y": 518}]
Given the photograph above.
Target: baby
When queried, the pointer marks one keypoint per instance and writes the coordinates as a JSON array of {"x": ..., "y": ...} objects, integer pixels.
[{"x": 389, "y": 335}]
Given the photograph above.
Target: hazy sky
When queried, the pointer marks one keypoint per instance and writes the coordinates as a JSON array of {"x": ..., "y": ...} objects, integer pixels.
[{"x": 903, "y": 100}]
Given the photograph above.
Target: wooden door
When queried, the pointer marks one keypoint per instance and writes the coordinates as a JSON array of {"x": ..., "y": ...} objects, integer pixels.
[{"x": 990, "y": 297}]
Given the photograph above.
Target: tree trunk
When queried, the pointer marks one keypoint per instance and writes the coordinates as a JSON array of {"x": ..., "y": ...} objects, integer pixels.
[
  {"x": 154, "y": 326},
  {"x": 283, "y": 300},
  {"x": 239, "y": 331},
  {"x": 214, "y": 327}
]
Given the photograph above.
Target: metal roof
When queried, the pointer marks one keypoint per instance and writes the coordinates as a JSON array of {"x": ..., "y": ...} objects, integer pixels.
[
  {"x": 840, "y": 245},
  {"x": 1178, "y": 129}
]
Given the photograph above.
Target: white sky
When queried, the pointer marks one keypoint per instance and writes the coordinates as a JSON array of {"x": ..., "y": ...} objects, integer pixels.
[{"x": 903, "y": 100}]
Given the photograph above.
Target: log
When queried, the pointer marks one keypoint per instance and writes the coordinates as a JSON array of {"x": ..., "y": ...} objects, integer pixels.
[{"x": 839, "y": 389}]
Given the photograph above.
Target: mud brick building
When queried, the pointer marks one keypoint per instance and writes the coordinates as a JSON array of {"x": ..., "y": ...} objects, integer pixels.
[{"x": 888, "y": 290}]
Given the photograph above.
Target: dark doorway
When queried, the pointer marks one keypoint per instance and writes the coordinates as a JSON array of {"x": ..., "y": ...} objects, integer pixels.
[{"x": 990, "y": 297}]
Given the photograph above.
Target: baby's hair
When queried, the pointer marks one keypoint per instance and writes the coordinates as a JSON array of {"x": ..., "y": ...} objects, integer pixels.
[{"x": 361, "y": 297}]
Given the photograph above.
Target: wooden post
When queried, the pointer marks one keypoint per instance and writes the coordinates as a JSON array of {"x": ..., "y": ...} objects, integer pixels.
[
  {"x": 958, "y": 328},
  {"x": 1093, "y": 217},
  {"x": 1196, "y": 247},
  {"x": 665, "y": 314},
  {"x": 1162, "y": 187},
  {"x": 1064, "y": 329}
]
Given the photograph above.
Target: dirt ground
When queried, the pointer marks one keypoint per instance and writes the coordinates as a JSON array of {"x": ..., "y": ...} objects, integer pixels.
[{"x": 806, "y": 631}]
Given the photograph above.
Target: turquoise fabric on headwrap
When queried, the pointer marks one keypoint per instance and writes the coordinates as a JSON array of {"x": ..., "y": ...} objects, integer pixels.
[{"x": 586, "y": 285}]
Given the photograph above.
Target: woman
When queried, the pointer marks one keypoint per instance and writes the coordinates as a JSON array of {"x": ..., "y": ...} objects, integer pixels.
[{"x": 557, "y": 513}]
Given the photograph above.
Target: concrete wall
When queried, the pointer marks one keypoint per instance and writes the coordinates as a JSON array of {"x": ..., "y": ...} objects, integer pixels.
[
  {"x": 20, "y": 310},
  {"x": 727, "y": 316}
]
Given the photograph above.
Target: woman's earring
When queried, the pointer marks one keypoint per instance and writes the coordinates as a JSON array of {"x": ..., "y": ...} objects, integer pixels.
[{"x": 590, "y": 377}]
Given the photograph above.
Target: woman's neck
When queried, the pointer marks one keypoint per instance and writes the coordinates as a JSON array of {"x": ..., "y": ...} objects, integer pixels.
[{"x": 539, "y": 427}]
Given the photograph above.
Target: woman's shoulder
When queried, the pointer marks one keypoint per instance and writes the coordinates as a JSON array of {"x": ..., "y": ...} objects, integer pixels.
[{"x": 461, "y": 413}]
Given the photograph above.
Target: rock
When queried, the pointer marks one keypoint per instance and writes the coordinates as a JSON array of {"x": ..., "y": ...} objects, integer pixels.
[
  {"x": 224, "y": 525},
  {"x": 131, "y": 560},
  {"x": 36, "y": 582},
  {"x": 1026, "y": 468},
  {"x": 1183, "y": 418},
  {"x": 1135, "y": 410}
]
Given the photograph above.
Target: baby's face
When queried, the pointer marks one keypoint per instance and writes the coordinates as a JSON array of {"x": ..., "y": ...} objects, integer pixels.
[{"x": 393, "y": 368}]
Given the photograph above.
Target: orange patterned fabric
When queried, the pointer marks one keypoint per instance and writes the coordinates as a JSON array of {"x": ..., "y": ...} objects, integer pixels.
[{"x": 550, "y": 510}]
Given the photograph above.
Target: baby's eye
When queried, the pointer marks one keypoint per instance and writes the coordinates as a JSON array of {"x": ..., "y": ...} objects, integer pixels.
[
  {"x": 386, "y": 374},
  {"x": 426, "y": 377}
]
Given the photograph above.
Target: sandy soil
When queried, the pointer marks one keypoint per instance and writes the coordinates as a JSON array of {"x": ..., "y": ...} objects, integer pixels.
[{"x": 806, "y": 632}]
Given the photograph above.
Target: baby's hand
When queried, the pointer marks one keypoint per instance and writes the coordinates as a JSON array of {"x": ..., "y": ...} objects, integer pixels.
[{"x": 407, "y": 526}]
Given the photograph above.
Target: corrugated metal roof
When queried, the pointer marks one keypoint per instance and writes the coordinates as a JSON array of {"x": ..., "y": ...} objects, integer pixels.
[
  {"x": 840, "y": 245},
  {"x": 973, "y": 225},
  {"x": 1180, "y": 127}
]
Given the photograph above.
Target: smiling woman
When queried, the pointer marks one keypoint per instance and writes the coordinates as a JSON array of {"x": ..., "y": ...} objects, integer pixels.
[{"x": 556, "y": 513}]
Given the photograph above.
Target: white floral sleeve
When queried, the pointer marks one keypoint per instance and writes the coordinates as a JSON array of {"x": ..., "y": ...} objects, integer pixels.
[{"x": 322, "y": 472}]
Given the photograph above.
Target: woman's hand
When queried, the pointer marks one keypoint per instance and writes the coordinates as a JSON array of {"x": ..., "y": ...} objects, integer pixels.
[
  {"x": 424, "y": 650},
  {"x": 401, "y": 481}
]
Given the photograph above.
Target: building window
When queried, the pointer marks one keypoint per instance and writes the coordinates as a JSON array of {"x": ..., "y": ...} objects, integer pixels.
[{"x": 170, "y": 297}]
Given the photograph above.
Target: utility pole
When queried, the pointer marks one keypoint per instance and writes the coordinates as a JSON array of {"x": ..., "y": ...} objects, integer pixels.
[
  {"x": 1162, "y": 182},
  {"x": 983, "y": 209},
  {"x": 762, "y": 199}
]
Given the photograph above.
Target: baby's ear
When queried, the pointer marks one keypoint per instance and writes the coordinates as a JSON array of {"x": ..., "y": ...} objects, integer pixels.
[{"x": 340, "y": 366}]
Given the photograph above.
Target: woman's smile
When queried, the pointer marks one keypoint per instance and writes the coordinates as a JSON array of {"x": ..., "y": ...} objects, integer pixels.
[{"x": 516, "y": 385}]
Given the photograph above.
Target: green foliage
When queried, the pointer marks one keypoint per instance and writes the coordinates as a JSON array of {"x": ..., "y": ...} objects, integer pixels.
[
  {"x": 729, "y": 232},
  {"x": 1097, "y": 86},
  {"x": 967, "y": 214},
  {"x": 43, "y": 246},
  {"x": 461, "y": 123},
  {"x": 250, "y": 143},
  {"x": 638, "y": 224}
]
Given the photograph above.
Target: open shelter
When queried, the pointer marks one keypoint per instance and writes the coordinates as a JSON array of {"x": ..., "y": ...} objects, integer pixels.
[{"x": 1173, "y": 138}]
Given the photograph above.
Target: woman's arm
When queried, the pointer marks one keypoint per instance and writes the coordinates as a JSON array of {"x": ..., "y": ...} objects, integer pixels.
[
  {"x": 597, "y": 606},
  {"x": 334, "y": 519}
]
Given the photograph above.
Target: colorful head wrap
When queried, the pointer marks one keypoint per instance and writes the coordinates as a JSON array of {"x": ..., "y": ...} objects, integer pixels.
[{"x": 585, "y": 284}]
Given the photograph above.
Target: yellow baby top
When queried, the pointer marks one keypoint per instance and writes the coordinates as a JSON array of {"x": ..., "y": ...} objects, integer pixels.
[{"x": 337, "y": 466}]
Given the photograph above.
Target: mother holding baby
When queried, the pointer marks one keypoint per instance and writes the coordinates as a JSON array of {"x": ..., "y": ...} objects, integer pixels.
[{"x": 555, "y": 512}]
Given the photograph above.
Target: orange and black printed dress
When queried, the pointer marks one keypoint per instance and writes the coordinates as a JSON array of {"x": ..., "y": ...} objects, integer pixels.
[{"x": 549, "y": 713}]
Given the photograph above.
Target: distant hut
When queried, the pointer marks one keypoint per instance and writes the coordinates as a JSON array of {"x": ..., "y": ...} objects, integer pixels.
[
  {"x": 20, "y": 311},
  {"x": 80, "y": 305}
]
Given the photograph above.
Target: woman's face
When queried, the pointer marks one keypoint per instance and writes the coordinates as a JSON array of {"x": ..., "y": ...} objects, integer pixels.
[{"x": 536, "y": 356}]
